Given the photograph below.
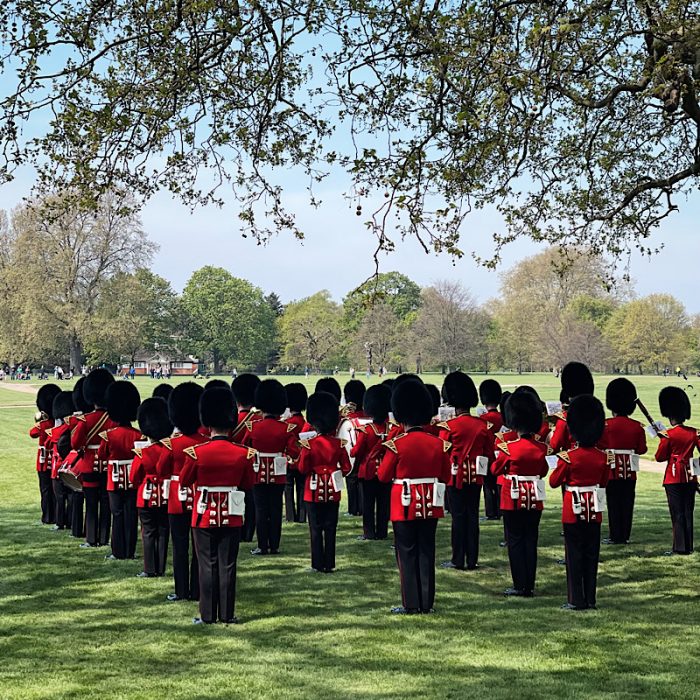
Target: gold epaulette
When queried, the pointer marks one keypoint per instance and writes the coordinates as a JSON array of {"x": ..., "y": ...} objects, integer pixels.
[
  {"x": 444, "y": 424},
  {"x": 390, "y": 445},
  {"x": 489, "y": 425},
  {"x": 291, "y": 427},
  {"x": 305, "y": 444},
  {"x": 503, "y": 447},
  {"x": 251, "y": 453},
  {"x": 343, "y": 442},
  {"x": 361, "y": 428},
  {"x": 564, "y": 456},
  {"x": 137, "y": 451},
  {"x": 104, "y": 435},
  {"x": 446, "y": 446},
  {"x": 191, "y": 452},
  {"x": 80, "y": 417},
  {"x": 550, "y": 451},
  {"x": 48, "y": 431},
  {"x": 167, "y": 443}
]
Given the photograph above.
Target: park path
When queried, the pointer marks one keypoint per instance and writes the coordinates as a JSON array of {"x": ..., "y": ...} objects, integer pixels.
[{"x": 23, "y": 388}]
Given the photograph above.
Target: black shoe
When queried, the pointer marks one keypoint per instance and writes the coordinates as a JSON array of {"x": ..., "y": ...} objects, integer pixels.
[
  {"x": 87, "y": 545},
  {"x": 514, "y": 593},
  {"x": 258, "y": 552},
  {"x": 449, "y": 565},
  {"x": 199, "y": 621},
  {"x": 56, "y": 528},
  {"x": 173, "y": 597},
  {"x": 569, "y": 606},
  {"x": 493, "y": 517},
  {"x": 666, "y": 554},
  {"x": 328, "y": 571},
  {"x": 143, "y": 574},
  {"x": 561, "y": 562},
  {"x": 312, "y": 570},
  {"x": 110, "y": 557},
  {"x": 274, "y": 551},
  {"x": 502, "y": 543},
  {"x": 400, "y": 610},
  {"x": 607, "y": 540},
  {"x": 431, "y": 611},
  {"x": 362, "y": 538},
  {"x": 473, "y": 567},
  {"x": 231, "y": 621}
]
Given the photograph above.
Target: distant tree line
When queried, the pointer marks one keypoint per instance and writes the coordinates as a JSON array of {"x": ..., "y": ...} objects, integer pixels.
[{"x": 77, "y": 289}]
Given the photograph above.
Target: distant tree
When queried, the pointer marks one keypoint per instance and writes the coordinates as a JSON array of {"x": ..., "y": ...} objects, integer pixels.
[
  {"x": 379, "y": 339},
  {"x": 275, "y": 303},
  {"x": 311, "y": 332},
  {"x": 65, "y": 254},
  {"x": 397, "y": 291},
  {"x": 228, "y": 318}
]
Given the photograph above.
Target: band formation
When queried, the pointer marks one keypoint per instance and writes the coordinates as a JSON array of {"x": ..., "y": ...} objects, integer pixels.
[{"x": 209, "y": 467}]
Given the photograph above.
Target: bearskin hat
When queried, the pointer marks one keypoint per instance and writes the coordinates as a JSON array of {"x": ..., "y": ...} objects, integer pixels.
[
  {"x": 79, "y": 401},
  {"x": 377, "y": 402},
  {"x": 183, "y": 407},
  {"x": 163, "y": 391},
  {"x": 389, "y": 383},
  {"x": 297, "y": 397},
  {"x": 62, "y": 405},
  {"x": 502, "y": 405},
  {"x": 96, "y": 385},
  {"x": 322, "y": 412},
  {"x": 490, "y": 392},
  {"x": 122, "y": 402},
  {"x": 45, "y": 397},
  {"x": 354, "y": 392},
  {"x": 621, "y": 396},
  {"x": 153, "y": 419},
  {"x": 217, "y": 408},
  {"x": 586, "y": 420},
  {"x": 270, "y": 397},
  {"x": 330, "y": 386},
  {"x": 405, "y": 377},
  {"x": 217, "y": 383},
  {"x": 458, "y": 390},
  {"x": 243, "y": 387},
  {"x": 411, "y": 404},
  {"x": 434, "y": 397},
  {"x": 523, "y": 412},
  {"x": 533, "y": 392},
  {"x": 674, "y": 403},
  {"x": 576, "y": 379}
]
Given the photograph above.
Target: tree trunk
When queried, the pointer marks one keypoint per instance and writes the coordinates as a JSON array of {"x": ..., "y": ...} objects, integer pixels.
[
  {"x": 76, "y": 354},
  {"x": 216, "y": 360}
]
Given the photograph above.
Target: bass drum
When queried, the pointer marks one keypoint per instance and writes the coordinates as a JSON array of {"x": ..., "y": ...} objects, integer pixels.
[{"x": 68, "y": 472}]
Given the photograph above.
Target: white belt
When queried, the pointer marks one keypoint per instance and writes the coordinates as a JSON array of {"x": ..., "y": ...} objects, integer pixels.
[
  {"x": 92, "y": 447},
  {"x": 622, "y": 452},
  {"x": 415, "y": 482},
  {"x": 582, "y": 489},
  {"x": 175, "y": 478},
  {"x": 270, "y": 454},
  {"x": 218, "y": 489},
  {"x": 522, "y": 478},
  {"x": 120, "y": 462}
]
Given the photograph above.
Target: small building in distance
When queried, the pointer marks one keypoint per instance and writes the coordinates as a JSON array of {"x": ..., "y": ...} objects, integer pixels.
[{"x": 163, "y": 363}]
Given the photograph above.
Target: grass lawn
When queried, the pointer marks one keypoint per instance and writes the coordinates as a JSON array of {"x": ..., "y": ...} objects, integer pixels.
[{"x": 73, "y": 625}]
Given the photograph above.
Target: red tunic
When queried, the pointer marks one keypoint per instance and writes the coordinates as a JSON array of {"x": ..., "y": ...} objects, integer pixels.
[
  {"x": 54, "y": 459},
  {"x": 366, "y": 451},
  {"x": 246, "y": 418},
  {"x": 415, "y": 455},
  {"x": 493, "y": 420},
  {"x": 319, "y": 458},
  {"x": 272, "y": 436},
  {"x": 217, "y": 464},
  {"x": 38, "y": 430},
  {"x": 561, "y": 437},
  {"x": 297, "y": 420},
  {"x": 85, "y": 437},
  {"x": 623, "y": 433},
  {"x": 677, "y": 449},
  {"x": 580, "y": 466},
  {"x": 117, "y": 452},
  {"x": 169, "y": 468},
  {"x": 520, "y": 457},
  {"x": 470, "y": 439},
  {"x": 152, "y": 491}
]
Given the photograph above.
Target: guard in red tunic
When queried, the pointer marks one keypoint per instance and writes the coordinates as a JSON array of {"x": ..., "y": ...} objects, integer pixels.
[
  {"x": 44, "y": 422},
  {"x": 152, "y": 491},
  {"x": 417, "y": 465},
  {"x": 521, "y": 464},
  {"x": 354, "y": 394},
  {"x": 624, "y": 440},
  {"x": 324, "y": 462},
  {"x": 576, "y": 379},
  {"x": 490, "y": 394},
  {"x": 367, "y": 453},
  {"x": 116, "y": 452},
  {"x": 583, "y": 472},
  {"x": 676, "y": 447},
  {"x": 85, "y": 440},
  {"x": 295, "y": 509},
  {"x": 470, "y": 458},
  {"x": 434, "y": 427},
  {"x": 220, "y": 471},
  {"x": 275, "y": 442},
  {"x": 62, "y": 409},
  {"x": 183, "y": 410},
  {"x": 77, "y": 498},
  {"x": 243, "y": 387}
]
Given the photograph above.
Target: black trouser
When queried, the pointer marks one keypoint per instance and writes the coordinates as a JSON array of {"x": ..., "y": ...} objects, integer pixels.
[
  {"x": 61, "y": 494},
  {"x": 185, "y": 572},
  {"x": 268, "y": 515},
  {"x": 582, "y": 543},
  {"x": 522, "y": 532},
  {"x": 295, "y": 508},
  {"x": 122, "y": 505},
  {"x": 48, "y": 505},
  {"x": 77, "y": 517},
  {"x": 620, "y": 502},
  {"x": 464, "y": 504},
  {"x": 98, "y": 517},
  {"x": 492, "y": 498},
  {"x": 681, "y": 503},
  {"x": 248, "y": 529},
  {"x": 354, "y": 499},
  {"x": 323, "y": 524},
  {"x": 376, "y": 499},
  {"x": 154, "y": 535},
  {"x": 415, "y": 555},
  {"x": 217, "y": 552}
]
